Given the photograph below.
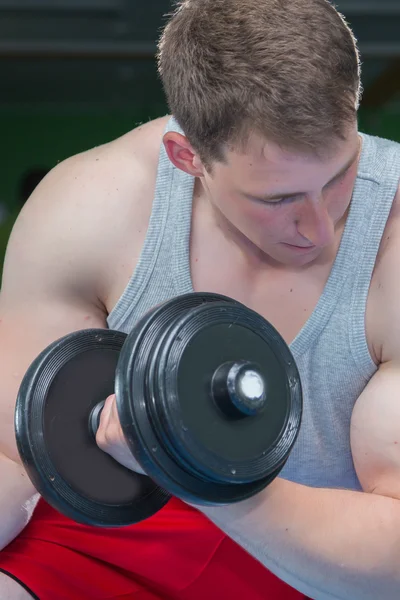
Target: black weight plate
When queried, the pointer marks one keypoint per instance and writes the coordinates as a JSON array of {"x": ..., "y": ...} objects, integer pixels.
[
  {"x": 134, "y": 396},
  {"x": 163, "y": 457},
  {"x": 213, "y": 444},
  {"x": 130, "y": 382},
  {"x": 56, "y": 397}
]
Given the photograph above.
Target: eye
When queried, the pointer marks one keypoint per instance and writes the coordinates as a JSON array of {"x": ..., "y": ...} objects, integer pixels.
[{"x": 279, "y": 202}]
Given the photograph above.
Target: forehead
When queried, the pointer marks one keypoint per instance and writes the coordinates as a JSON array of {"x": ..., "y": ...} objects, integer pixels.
[{"x": 264, "y": 160}]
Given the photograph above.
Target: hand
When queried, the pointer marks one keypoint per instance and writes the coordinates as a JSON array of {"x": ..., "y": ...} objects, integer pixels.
[{"x": 110, "y": 437}]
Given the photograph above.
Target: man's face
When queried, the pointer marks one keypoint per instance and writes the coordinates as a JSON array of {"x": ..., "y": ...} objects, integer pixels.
[{"x": 285, "y": 203}]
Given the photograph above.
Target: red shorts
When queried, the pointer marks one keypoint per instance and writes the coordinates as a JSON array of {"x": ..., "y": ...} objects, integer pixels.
[{"x": 177, "y": 554}]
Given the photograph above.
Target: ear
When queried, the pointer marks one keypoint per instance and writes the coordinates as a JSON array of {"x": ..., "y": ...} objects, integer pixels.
[{"x": 182, "y": 155}]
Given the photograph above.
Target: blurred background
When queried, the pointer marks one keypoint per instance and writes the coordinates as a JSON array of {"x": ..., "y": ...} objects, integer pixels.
[{"x": 77, "y": 73}]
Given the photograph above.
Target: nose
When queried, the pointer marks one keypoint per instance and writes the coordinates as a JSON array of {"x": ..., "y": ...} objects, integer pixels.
[{"x": 315, "y": 224}]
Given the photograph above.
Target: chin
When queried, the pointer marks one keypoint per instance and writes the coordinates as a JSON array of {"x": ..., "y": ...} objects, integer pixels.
[{"x": 293, "y": 260}]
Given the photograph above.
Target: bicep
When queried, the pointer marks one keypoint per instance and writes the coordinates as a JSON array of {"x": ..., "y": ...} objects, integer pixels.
[
  {"x": 63, "y": 250},
  {"x": 48, "y": 291},
  {"x": 375, "y": 433},
  {"x": 375, "y": 424}
]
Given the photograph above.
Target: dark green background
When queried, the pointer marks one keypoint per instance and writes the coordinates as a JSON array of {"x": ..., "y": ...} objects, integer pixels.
[{"x": 38, "y": 138}]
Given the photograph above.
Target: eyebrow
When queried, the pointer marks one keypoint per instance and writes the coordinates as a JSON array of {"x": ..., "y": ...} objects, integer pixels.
[{"x": 277, "y": 196}]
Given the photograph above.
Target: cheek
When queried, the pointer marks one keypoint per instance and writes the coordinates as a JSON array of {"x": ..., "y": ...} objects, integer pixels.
[
  {"x": 251, "y": 217},
  {"x": 271, "y": 220}
]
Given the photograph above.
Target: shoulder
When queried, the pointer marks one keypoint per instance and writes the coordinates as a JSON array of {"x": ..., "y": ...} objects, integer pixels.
[
  {"x": 106, "y": 180},
  {"x": 88, "y": 208}
]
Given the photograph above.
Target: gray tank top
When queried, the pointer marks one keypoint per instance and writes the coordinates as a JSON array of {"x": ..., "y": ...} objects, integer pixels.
[{"x": 331, "y": 350}]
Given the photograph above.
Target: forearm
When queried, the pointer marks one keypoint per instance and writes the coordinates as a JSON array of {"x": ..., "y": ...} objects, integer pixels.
[
  {"x": 329, "y": 544},
  {"x": 17, "y": 500}
]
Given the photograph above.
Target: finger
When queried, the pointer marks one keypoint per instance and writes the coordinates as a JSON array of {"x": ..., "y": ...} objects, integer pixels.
[
  {"x": 110, "y": 437},
  {"x": 107, "y": 411},
  {"x": 105, "y": 419},
  {"x": 114, "y": 416}
]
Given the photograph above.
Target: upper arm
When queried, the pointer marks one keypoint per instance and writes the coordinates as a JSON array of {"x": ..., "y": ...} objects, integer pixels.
[
  {"x": 375, "y": 425},
  {"x": 375, "y": 432},
  {"x": 50, "y": 283},
  {"x": 85, "y": 222}
]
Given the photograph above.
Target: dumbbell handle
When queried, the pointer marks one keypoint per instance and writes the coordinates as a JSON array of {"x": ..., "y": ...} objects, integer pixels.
[
  {"x": 94, "y": 418},
  {"x": 238, "y": 388}
]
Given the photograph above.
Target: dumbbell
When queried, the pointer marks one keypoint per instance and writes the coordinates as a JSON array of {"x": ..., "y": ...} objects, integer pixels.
[{"x": 208, "y": 396}]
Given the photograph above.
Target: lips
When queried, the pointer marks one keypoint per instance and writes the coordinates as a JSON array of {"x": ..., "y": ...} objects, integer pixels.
[{"x": 300, "y": 247}]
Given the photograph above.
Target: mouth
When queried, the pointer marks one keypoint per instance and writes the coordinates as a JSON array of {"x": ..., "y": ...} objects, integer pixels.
[{"x": 299, "y": 248}]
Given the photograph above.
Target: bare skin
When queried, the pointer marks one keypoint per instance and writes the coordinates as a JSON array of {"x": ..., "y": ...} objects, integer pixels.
[
  {"x": 92, "y": 212},
  {"x": 11, "y": 590}
]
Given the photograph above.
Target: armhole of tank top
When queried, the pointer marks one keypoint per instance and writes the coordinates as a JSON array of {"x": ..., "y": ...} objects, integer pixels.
[
  {"x": 151, "y": 246},
  {"x": 367, "y": 256}
]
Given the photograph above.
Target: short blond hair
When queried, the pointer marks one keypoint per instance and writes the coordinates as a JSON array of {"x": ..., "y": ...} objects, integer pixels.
[{"x": 286, "y": 69}]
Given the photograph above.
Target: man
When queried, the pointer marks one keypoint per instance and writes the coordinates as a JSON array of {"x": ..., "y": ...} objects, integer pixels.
[{"x": 265, "y": 192}]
